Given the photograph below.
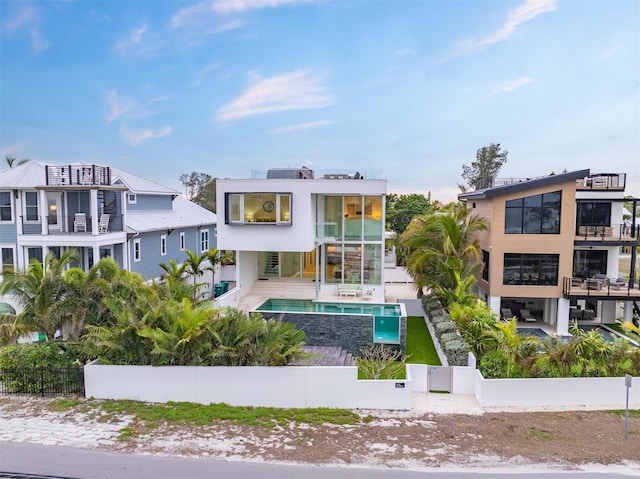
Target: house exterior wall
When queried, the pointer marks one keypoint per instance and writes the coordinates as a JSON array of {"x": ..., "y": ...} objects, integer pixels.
[
  {"x": 498, "y": 243},
  {"x": 150, "y": 202},
  {"x": 300, "y": 235}
]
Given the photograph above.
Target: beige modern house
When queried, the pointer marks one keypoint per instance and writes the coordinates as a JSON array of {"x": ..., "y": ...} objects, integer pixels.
[{"x": 552, "y": 249}]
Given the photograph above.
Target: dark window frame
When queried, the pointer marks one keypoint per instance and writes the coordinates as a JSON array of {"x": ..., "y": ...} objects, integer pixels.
[
  {"x": 531, "y": 269},
  {"x": 536, "y": 214}
]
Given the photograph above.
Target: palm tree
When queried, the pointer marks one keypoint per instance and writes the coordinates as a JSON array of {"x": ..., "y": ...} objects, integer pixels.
[
  {"x": 443, "y": 250},
  {"x": 12, "y": 161},
  {"x": 40, "y": 290},
  {"x": 519, "y": 348},
  {"x": 196, "y": 265},
  {"x": 175, "y": 285}
]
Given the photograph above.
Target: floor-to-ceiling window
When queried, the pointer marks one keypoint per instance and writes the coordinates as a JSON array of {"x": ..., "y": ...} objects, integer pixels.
[{"x": 587, "y": 263}]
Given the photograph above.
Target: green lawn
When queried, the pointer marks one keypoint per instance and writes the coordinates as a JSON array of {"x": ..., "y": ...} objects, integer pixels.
[{"x": 420, "y": 348}]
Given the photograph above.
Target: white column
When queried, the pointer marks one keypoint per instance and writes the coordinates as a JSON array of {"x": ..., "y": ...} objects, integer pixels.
[
  {"x": 562, "y": 317},
  {"x": 627, "y": 311},
  {"x": 96, "y": 254},
  {"x": 494, "y": 303},
  {"x": 18, "y": 212},
  {"x": 608, "y": 312},
  {"x": 550, "y": 311},
  {"x": 93, "y": 206},
  {"x": 44, "y": 213}
]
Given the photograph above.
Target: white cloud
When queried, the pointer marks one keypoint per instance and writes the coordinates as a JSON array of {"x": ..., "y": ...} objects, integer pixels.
[
  {"x": 303, "y": 126},
  {"x": 233, "y": 6},
  {"x": 11, "y": 150},
  {"x": 132, "y": 39},
  {"x": 297, "y": 90},
  {"x": 135, "y": 137},
  {"x": 120, "y": 107},
  {"x": 607, "y": 53},
  {"x": 117, "y": 106},
  {"x": 27, "y": 19},
  {"x": 511, "y": 85},
  {"x": 203, "y": 11},
  {"x": 519, "y": 15}
]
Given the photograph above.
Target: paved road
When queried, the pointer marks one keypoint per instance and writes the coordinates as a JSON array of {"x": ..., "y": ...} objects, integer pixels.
[{"x": 91, "y": 464}]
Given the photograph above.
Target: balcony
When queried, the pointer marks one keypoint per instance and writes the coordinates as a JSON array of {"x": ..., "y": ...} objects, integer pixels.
[
  {"x": 620, "y": 233},
  {"x": 78, "y": 175},
  {"x": 602, "y": 182},
  {"x": 326, "y": 231},
  {"x": 67, "y": 225},
  {"x": 600, "y": 288}
]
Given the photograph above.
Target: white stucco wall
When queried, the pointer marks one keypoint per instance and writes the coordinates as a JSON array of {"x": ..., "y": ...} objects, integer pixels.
[{"x": 291, "y": 386}]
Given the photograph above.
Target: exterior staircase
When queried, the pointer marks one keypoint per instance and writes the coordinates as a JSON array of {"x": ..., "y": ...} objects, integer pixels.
[{"x": 327, "y": 356}]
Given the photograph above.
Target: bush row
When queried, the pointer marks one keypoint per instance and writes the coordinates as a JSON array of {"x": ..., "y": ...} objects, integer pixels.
[{"x": 447, "y": 335}]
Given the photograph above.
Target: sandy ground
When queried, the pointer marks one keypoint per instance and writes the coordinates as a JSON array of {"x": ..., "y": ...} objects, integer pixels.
[{"x": 569, "y": 440}]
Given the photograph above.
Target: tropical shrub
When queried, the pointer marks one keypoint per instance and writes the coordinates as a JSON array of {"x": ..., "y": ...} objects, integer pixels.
[
  {"x": 377, "y": 361},
  {"x": 494, "y": 364},
  {"x": 34, "y": 367}
]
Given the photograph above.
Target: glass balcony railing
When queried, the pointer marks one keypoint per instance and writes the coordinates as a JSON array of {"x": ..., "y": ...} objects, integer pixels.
[{"x": 326, "y": 230}]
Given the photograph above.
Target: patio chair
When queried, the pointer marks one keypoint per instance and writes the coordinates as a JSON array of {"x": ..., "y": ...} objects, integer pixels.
[
  {"x": 527, "y": 316},
  {"x": 80, "y": 223},
  {"x": 506, "y": 313},
  {"x": 103, "y": 224},
  {"x": 619, "y": 283}
]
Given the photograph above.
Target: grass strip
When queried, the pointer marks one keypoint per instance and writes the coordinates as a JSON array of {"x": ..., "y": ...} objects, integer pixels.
[
  {"x": 199, "y": 414},
  {"x": 420, "y": 347}
]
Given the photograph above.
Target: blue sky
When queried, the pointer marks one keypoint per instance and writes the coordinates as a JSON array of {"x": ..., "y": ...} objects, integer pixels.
[{"x": 412, "y": 88}]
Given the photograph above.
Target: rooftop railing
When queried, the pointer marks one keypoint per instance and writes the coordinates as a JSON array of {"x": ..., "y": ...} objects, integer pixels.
[
  {"x": 340, "y": 174},
  {"x": 77, "y": 175},
  {"x": 603, "y": 181}
]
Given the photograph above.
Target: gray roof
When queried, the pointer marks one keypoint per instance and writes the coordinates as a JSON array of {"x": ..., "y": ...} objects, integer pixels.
[
  {"x": 526, "y": 185},
  {"x": 32, "y": 174},
  {"x": 184, "y": 214}
]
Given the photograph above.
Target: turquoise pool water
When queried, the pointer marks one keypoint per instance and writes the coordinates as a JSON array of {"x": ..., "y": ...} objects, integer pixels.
[
  {"x": 606, "y": 333},
  {"x": 308, "y": 306},
  {"x": 538, "y": 332}
]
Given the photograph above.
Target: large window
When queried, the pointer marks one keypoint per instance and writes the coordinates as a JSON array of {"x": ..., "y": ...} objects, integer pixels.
[
  {"x": 34, "y": 253},
  {"x": 31, "y": 205},
  {"x": 249, "y": 208},
  {"x": 587, "y": 263},
  {"x": 539, "y": 214},
  {"x": 5, "y": 206},
  {"x": 533, "y": 269},
  {"x": 594, "y": 214}
]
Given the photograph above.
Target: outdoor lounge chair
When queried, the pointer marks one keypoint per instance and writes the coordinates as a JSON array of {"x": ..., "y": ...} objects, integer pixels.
[
  {"x": 618, "y": 283},
  {"x": 103, "y": 224},
  {"x": 80, "y": 223},
  {"x": 506, "y": 313},
  {"x": 527, "y": 316}
]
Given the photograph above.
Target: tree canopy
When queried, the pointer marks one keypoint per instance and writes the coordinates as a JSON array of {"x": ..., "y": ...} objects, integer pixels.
[
  {"x": 401, "y": 209},
  {"x": 200, "y": 188},
  {"x": 482, "y": 172}
]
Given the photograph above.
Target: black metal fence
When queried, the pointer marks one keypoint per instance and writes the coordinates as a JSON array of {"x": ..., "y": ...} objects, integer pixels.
[{"x": 42, "y": 381}]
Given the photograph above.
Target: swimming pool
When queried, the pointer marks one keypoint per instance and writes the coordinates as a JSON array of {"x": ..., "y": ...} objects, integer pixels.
[
  {"x": 348, "y": 325},
  {"x": 538, "y": 332},
  {"x": 606, "y": 333}
]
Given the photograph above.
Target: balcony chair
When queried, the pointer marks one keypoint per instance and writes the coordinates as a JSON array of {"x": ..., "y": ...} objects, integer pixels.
[
  {"x": 103, "y": 224},
  {"x": 506, "y": 313},
  {"x": 80, "y": 223}
]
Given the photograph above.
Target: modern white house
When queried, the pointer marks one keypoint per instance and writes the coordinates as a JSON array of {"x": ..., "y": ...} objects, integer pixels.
[
  {"x": 297, "y": 226},
  {"x": 552, "y": 251},
  {"x": 100, "y": 211}
]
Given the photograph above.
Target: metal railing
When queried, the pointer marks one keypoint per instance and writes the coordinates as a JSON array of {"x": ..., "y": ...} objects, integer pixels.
[
  {"x": 603, "y": 181},
  {"x": 77, "y": 175},
  {"x": 600, "y": 288},
  {"x": 69, "y": 225},
  {"x": 615, "y": 232},
  {"x": 42, "y": 381}
]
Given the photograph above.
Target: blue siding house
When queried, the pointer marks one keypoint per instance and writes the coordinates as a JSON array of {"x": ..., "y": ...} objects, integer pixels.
[{"x": 100, "y": 211}]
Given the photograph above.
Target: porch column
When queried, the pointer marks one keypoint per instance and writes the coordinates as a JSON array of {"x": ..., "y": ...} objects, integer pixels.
[
  {"x": 562, "y": 317},
  {"x": 93, "y": 207},
  {"x": 44, "y": 213},
  {"x": 96, "y": 254},
  {"x": 550, "y": 311},
  {"x": 627, "y": 311},
  {"x": 18, "y": 211}
]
